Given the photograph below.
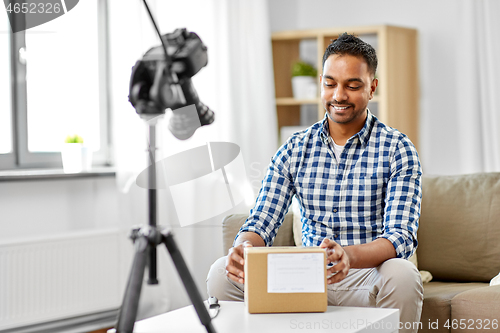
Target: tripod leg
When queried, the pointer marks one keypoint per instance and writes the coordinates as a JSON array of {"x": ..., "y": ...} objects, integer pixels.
[
  {"x": 128, "y": 310},
  {"x": 152, "y": 222},
  {"x": 187, "y": 280}
]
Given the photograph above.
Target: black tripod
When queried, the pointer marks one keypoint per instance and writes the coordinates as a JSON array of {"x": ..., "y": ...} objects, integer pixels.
[{"x": 146, "y": 239}]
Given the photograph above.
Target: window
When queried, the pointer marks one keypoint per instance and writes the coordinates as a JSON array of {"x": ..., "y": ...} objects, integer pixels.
[
  {"x": 60, "y": 88},
  {"x": 5, "y": 89}
]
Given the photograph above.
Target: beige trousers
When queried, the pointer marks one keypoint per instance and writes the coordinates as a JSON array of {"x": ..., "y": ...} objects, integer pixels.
[{"x": 396, "y": 283}]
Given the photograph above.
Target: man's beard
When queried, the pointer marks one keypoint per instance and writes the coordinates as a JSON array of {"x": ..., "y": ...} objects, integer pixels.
[{"x": 330, "y": 111}]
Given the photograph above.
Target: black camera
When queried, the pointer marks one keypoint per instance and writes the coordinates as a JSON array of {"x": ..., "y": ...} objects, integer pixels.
[{"x": 160, "y": 81}]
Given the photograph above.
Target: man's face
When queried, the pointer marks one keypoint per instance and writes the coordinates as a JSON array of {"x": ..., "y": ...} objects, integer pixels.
[{"x": 346, "y": 88}]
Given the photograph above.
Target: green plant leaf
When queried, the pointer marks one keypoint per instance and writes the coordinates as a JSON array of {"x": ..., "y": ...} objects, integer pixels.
[
  {"x": 74, "y": 139},
  {"x": 301, "y": 68}
]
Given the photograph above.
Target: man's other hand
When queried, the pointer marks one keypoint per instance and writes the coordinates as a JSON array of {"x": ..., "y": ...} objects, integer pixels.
[
  {"x": 336, "y": 255},
  {"x": 235, "y": 262}
]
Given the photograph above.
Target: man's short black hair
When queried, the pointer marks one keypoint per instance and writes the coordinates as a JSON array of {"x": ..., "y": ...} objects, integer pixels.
[{"x": 352, "y": 45}]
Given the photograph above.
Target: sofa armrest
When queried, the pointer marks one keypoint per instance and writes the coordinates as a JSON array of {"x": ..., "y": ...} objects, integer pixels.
[{"x": 232, "y": 224}]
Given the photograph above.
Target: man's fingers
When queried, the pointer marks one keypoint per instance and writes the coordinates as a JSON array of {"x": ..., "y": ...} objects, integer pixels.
[
  {"x": 333, "y": 250},
  {"x": 334, "y": 255},
  {"x": 328, "y": 243},
  {"x": 247, "y": 244},
  {"x": 339, "y": 276},
  {"x": 236, "y": 255},
  {"x": 340, "y": 267},
  {"x": 235, "y": 278},
  {"x": 235, "y": 263},
  {"x": 236, "y": 271},
  {"x": 335, "y": 269},
  {"x": 235, "y": 274},
  {"x": 337, "y": 273}
]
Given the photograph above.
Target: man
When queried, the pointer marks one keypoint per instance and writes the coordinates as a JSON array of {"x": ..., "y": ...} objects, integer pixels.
[{"x": 358, "y": 185}]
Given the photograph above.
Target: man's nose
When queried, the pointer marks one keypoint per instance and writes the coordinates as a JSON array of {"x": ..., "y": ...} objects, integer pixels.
[{"x": 340, "y": 94}]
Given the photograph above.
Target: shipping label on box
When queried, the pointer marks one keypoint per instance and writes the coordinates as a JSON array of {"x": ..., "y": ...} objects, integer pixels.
[{"x": 285, "y": 279}]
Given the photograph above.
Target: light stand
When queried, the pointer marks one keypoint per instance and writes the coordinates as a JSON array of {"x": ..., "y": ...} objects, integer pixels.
[{"x": 146, "y": 239}]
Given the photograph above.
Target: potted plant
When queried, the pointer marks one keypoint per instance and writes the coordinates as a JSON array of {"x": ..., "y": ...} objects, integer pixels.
[
  {"x": 304, "y": 80},
  {"x": 75, "y": 156}
]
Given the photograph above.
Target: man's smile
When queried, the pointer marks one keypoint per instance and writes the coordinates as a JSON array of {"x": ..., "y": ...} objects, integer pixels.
[{"x": 340, "y": 108}]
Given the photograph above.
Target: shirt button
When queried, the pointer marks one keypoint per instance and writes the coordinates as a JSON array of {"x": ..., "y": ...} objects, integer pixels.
[
  {"x": 335, "y": 210},
  {"x": 336, "y": 236}
]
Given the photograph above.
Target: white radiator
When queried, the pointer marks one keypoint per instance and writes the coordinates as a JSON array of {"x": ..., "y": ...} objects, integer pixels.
[{"x": 50, "y": 279}]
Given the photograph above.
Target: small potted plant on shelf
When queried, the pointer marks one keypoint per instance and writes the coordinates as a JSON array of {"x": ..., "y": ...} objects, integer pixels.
[
  {"x": 75, "y": 156},
  {"x": 304, "y": 80}
]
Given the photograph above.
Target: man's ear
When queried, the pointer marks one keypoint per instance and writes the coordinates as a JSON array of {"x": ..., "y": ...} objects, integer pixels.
[{"x": 373, "y": 87}]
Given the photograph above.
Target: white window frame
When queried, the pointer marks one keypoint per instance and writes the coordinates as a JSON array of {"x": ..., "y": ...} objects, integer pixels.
[{"x": 21, "y": 157}]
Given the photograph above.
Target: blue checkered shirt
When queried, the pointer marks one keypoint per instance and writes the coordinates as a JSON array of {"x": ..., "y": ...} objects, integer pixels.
[{"x": 373, "y": 191}]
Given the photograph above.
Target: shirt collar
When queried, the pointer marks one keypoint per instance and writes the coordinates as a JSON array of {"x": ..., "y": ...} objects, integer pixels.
[{"x": 363, "y": 134}]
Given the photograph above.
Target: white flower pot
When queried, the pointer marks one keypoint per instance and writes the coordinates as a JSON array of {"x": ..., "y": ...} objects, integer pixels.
[
  {"x": 304, "y": 87},
  {"x": 76, "y": 158}
]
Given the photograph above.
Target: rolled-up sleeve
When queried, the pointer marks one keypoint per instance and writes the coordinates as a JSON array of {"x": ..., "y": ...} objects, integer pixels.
[{"x": 403, "y": 199}]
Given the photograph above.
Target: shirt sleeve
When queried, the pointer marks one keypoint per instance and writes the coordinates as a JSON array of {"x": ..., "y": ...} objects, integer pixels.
[
  {"x": 274, "y": 198},
  {"x": 403, "y": 200}
]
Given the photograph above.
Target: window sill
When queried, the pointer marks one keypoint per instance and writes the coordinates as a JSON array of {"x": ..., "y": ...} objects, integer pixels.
[{"x": 53, "y": 174}]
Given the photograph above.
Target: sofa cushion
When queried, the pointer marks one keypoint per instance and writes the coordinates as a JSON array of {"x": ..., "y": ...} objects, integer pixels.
[
  {"x": 479, "y": 309},
  {"x": 460, "y": 227},
  {"x": 437, "y": 303},
  {"x": 232, "y": 224}
]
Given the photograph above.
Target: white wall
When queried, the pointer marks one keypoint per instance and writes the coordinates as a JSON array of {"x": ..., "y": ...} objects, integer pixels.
[
  {"x": 438, "y": 24},
  {"x": 45, "y": 209}
]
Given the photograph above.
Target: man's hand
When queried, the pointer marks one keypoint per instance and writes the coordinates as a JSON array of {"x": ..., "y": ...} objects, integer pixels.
[
  {"x": 234, "y": 259},
  {"x": 336, "y": 255},
  {"x": 235, "y": 262}
]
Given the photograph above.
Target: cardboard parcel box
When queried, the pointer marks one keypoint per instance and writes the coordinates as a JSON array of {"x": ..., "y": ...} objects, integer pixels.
[{"x": 285, "y": 279}]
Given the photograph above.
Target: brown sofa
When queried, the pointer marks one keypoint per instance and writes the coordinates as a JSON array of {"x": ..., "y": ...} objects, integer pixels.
[{"x": 459, "y": 244}]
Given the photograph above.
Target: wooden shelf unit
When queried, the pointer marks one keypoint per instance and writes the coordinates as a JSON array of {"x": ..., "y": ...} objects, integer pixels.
[{"x": 396, "y": 102}]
